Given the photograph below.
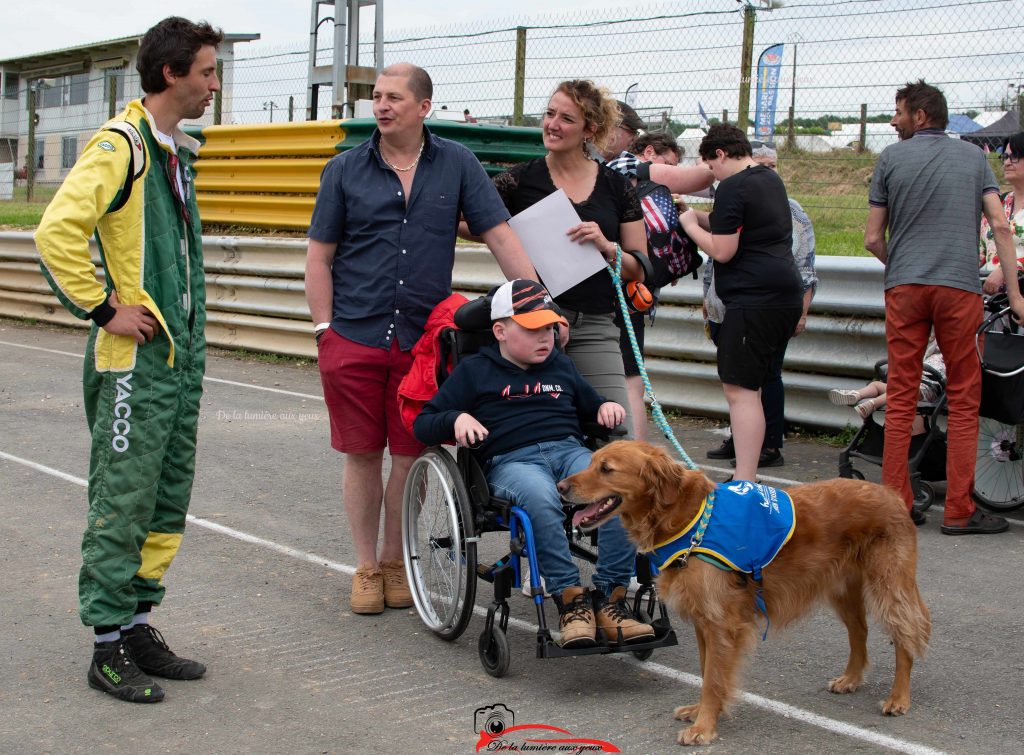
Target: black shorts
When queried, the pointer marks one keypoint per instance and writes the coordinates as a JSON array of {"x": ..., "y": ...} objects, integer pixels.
[
  {"x": 748, "y": 339},
  {"x": 628, "y": 358}
]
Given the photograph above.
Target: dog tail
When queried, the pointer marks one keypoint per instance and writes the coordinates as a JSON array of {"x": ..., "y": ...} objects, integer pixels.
[{"x": 895, "y": 600}]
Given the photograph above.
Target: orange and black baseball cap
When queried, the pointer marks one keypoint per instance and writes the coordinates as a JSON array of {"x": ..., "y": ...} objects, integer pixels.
[{"x": 527, "y": 302}]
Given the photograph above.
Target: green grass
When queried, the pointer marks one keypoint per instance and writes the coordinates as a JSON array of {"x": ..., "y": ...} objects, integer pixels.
[
  {"x": 19, "y": 213},
  {"x": 265, "y": 357}
]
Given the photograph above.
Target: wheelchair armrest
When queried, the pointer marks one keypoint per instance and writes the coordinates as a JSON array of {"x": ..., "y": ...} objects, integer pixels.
[{"x": 600, "y": 432}]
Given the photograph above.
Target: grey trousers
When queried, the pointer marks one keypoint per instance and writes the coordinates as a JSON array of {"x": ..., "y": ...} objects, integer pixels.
[{"x": 594, "y": 349}]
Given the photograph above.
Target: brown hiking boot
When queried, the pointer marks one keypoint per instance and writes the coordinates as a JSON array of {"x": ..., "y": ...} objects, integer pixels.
[
  {"x": 396, "y": 588},
  {"x": 367, "y": 591},
  {"x": 614, "y": 614},
  {"x": 575, "y": 618}
]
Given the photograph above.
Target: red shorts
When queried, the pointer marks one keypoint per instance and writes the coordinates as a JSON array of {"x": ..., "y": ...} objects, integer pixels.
[{"x": 361, "y": 392}]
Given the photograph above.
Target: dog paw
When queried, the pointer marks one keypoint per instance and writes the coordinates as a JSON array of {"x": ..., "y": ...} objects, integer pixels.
[
  {"x": 696, "y": 736},
  {"x": 686, "y": 712},
  {"x": 844, "y": 684},
  {"x": 895, "y": 706}
]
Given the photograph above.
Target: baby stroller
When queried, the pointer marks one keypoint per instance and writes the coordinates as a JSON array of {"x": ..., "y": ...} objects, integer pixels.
[
  {"x": 999, "y": 470},
  {"x": 927, "y": 450}
]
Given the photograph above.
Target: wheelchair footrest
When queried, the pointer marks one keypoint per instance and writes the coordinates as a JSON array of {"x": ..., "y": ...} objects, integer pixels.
[{"x": 664, "y": 636}]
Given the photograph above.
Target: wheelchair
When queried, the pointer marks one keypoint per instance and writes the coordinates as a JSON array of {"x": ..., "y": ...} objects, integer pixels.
[{"x": 446, "y": 509}]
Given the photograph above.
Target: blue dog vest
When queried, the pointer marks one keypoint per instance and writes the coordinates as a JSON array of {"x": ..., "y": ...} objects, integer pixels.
[{"x": 749, "y": 525}]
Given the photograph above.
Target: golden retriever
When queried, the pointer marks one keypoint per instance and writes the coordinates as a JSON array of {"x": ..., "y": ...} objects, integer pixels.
[{"x": 853, "y": 544}]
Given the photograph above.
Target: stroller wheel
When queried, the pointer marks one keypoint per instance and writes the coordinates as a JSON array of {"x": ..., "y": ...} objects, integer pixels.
[
  {"x": 924, "y": 495},
  {"x": 856, "y": 474}
]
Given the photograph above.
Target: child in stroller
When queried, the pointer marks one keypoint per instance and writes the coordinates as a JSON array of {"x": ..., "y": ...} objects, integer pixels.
[
  {"x": 871, "y": 397},
  {"x": 927, "y": 458}
]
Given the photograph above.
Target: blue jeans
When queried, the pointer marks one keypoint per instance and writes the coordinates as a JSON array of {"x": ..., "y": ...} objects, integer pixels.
[{"x": 527, "y": 477}]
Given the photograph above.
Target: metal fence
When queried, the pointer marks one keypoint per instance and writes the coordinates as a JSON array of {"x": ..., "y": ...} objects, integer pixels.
[{"x": 842, "y": 61}]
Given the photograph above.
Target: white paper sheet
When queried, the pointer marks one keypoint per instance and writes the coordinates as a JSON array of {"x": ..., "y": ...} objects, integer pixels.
[{"x": 560, "y": 262}]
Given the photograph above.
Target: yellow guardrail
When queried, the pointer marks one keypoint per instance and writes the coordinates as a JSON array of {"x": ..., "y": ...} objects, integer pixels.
[
  {"x": 265, "y": 176},
  {"x": 258, "y": 210},
  {"x": 262, "y": 175},
  {"x": 299, "y": 139}
]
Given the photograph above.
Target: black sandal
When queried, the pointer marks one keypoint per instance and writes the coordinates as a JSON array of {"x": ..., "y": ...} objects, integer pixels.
[{"x": 979, "y": 524}]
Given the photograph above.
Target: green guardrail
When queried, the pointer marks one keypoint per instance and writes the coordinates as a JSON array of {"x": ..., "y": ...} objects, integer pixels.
[{"x": 496, "y": 147}]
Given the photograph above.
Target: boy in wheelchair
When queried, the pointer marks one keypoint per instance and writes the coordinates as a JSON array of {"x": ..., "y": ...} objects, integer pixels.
[{"x": 519, "y": 404}]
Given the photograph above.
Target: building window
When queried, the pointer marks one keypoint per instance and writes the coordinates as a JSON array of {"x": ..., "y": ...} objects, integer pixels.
[
  {"x": 68, "y": 152},
  {"x": 78, "y": 86},
  {"x": 10, "y": 86},
  {"x": 40, "y": 153},
  {"x": 117, "y": 75},
  {"x": 51, "y": 96}
]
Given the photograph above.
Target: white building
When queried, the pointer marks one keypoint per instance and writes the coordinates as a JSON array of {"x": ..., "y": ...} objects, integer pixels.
[{"x": 77, "y": 89}]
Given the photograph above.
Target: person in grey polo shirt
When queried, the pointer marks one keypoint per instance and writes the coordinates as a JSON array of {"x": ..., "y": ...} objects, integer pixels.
[{"x": 929, "y": 192}]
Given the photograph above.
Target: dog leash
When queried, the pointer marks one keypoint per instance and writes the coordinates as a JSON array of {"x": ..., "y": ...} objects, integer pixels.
[
  {"x": 658, "y": 415},
  {"x": 662, "y": 424}
]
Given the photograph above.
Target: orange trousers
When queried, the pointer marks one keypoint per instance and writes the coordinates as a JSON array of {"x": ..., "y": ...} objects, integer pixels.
[{"x": 911, "y": 311}]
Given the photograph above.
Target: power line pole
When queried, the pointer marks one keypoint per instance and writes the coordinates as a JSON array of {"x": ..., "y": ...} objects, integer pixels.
[
  {"x": 746, "y": 59},
  {"x": 520, "y": 77}
]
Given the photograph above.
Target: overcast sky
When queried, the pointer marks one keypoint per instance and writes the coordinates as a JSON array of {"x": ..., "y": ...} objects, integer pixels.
[{"x": 68, "y": 23}]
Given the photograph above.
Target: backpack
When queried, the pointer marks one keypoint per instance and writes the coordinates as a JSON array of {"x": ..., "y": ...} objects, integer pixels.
[
  {"x": 673, "y": 252},
  {"x": 136, "y": 163}
]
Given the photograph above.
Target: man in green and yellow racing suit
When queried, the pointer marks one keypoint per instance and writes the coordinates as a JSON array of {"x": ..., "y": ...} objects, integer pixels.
[{"x": 146, "y": 352}]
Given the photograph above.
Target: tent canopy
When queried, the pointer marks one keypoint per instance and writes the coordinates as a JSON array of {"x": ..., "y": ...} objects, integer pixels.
[
  {"x": 994, "y": 135},
  {"x": 961, "y": 124}
]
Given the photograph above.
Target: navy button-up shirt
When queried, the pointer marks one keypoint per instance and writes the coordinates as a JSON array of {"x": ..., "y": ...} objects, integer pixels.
[{"x": 394, "y": 259}]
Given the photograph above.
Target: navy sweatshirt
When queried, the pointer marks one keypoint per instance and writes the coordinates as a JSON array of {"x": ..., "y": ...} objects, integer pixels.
[{"x": 518, "y": 407}]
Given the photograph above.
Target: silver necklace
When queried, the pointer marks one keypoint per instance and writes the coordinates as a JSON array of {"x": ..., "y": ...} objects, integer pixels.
[{"x": 414, "y": 162}]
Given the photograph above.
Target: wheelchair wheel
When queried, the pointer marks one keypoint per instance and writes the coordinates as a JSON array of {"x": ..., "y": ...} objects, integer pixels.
[
  {"x": 494, "y": 653},
  {"x": 438, "y": 544},
  {"x": 999, "y": 469}
]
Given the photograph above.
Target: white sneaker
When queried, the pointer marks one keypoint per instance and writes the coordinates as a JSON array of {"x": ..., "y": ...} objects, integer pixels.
[
  {"x": 842, "y": 397},
  {"x": 525, "y": 573}
]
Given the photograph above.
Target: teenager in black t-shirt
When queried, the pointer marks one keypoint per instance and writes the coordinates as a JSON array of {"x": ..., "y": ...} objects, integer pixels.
[
  {"x": 749, "y": 235},
  {"x": 580, "y": 113}
]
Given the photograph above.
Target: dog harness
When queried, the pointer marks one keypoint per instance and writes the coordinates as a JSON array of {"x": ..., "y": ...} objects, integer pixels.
[{"x": 751, "y": 523}]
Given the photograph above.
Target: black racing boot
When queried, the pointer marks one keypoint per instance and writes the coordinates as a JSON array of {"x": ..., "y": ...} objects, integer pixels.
[
  {"x": 152, "y": 655},
  {"x": 113, "y": 671}
]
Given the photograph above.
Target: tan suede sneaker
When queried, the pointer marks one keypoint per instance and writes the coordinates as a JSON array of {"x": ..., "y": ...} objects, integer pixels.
[
  {"x": 367, "y": 591},
  {"x": 575, "y": 618},
  {"x": 614, "y": 614},
  {"x": 396, "y": 588}
]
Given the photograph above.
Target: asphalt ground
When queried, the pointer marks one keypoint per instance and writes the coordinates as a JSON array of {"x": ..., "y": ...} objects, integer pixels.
[{"x": 259, "y": 592}]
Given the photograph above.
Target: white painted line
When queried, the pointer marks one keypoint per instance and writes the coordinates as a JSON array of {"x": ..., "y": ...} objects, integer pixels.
[
  {"x": 40, "y": 348},
  {"x": 791, "y": 711},
  {"x": 262, "y": 388},
  {"x": 772, "y": 706},
  {"x": 207, "y": 378}
]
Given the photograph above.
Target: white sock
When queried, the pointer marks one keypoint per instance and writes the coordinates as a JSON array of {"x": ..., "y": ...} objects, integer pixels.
[
  {"x": 109, "y": 636},
  {"x": 139, "y": 618}
]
